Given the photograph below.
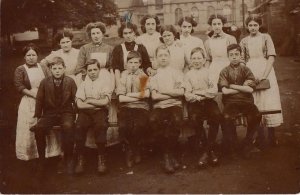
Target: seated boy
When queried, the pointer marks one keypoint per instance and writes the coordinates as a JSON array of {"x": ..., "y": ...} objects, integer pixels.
[
  {"x": 201, "y": 106},
  {"x": 133, "y": 111},
  {"x": 166, "y": 117},
  {"x": 237, "y": 83},
  {"x": 55, "y": 105},
  {"x": 92, "y": 98}
]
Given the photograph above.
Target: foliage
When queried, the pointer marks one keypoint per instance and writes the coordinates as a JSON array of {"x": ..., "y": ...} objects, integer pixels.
[{"x": 20, "y": 15}]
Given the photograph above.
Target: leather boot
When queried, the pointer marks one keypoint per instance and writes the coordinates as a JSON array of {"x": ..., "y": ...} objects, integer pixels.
[
  {"x": 80, "y": 165},
  {"x": 101, "y": 165},
  {"x": 203, "y": 161},
  {"x": 168, "y": 164}
]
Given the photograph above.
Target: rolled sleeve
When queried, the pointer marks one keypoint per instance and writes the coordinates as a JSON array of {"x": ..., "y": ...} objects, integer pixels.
[
  {"x": 19, "y": 79},
  {"x": 223, "y": 80},
  {"x": 80, "y": 94},
  {"x": 270, "y": 46},
  {"x": 153, "y": 84},
  {"x": 249, "y": 76},
  {"x": 121, "y": 90},
  {"x": 81, "y": 60}
]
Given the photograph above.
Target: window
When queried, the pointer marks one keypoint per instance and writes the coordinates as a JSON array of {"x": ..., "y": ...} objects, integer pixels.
[
  {"x": 210, "y": 11},
  {"x": 195, "y": 14},
  {"x": 159, "y": 4},
  {"x": 178, "y": 15},
  {"x": 245, "y": 10},
  {"x": 227, "y": 12}
]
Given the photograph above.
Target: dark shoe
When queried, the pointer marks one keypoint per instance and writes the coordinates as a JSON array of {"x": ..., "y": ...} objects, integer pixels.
[
  {"x": 168, "y": 167},
  {"x": 203, "y": 161},
  {"x": 214, "y": 160},
  {"x": 101, "y": 165},
  {"x": 129, "y": 158},
  {"x": 80, "y": 165}
]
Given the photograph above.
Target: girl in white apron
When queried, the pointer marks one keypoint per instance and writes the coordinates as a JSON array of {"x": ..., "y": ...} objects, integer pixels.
[
  {"x": 259, "y": 54},
  {"x": 216, "y": 48},
  {"x": 188, "y": 41},
  {"x": 27, "y": 80}
]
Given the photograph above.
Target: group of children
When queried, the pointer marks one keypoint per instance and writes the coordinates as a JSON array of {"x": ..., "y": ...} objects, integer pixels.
[
  {"x": 156, "y": 87},
  {"x": 58, "y": 95}
]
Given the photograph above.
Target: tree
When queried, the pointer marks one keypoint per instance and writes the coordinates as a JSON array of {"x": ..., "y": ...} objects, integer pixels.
[{"x": 21, "y": 15}]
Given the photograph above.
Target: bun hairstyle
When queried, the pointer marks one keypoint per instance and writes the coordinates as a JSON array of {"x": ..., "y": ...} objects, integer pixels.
[
  {"x": 30, "y": 46},
  {"x": 92, "y": 25},
  {"x": 254, "y": 17},
  {"x": 143, "y": 22},
  {"x": 216, "y": 16},
  {"x": 189, "y": 20},
  {"x": 60, "y": 35},
  {"x": 128, "y": 25},
  {"x": 170, "y": 28},
  {"x": 258, "y": 19}
]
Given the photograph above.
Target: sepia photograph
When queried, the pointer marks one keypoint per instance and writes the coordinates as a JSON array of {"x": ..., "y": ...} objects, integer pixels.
[{"x": 150, "y": 97}]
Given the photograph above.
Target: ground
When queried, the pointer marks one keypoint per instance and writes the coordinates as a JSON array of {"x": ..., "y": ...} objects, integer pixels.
[{"x": 275, "y": 170}]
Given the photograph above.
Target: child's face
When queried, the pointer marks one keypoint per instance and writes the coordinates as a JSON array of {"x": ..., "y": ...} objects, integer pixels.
[
  {"x": 253, "y": 27},
  {"x": 234, "y": 56},
  {"x": 163, "y": 58},
  {"x": 128, "y": 35},
  {"x": 168, "y": 38},
  {"x": 66, "y": 44},
  {"x": 217, "y": 25},
  {"x": 150, "y": 26},
  {"x": 57, "y": 70},
  {"x": 197, "y": 60},
  {"x": 133, "y": 64},
  {"x": 186, "y": 28},
  {"x": 93, "y": 71},
  {"x": 96, "y": 35}
]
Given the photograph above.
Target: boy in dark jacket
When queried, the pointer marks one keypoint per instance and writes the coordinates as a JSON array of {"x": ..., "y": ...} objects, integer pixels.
[
  {"x": 237, "y": 83},
  {"x": 55, "y": 106}
]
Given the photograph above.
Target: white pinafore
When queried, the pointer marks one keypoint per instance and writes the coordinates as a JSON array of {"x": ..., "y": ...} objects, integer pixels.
[
  {"x": 268, "y": 99},
  {"x": 26, "y": 148}
]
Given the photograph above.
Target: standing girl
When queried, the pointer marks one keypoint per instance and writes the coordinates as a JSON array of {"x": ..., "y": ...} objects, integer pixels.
[
  {"x": 259, "y": 55},
  {"x": 27, "y": 80},
  {"x": 128, "y": 31},
  {"x": 169, "y": 35},
  {"x": 150, "y": 26},
  {"x": 68, "y": 53},
  {"x": 216, "y": 48},
  {"x": 189, "y": 42}
]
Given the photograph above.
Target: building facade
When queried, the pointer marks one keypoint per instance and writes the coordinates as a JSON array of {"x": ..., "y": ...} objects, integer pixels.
[{"x": 170, "y": 11}]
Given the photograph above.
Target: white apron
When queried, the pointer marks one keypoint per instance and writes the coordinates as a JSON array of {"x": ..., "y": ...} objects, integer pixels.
[
  {"x": 218, "y": 48},
  {"x": 268, "y": 99},
  {"x": 25, "y": 141}
]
